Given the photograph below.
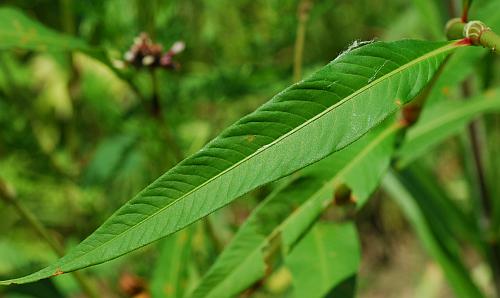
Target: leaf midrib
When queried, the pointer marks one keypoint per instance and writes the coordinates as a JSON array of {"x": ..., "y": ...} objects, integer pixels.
[{"x": 286, "y": 135}]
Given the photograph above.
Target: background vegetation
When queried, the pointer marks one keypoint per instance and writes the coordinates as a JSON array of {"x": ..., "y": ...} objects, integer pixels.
[{"x": 77, "y": 140}]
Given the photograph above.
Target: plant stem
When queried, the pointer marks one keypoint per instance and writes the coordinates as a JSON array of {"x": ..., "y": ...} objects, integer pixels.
[
  {"x": 303, "y": 16},
  {"x": 8, "y": 195},
  {"x": 451, "y": 9},
  {"x": 485, "y": 220},
  {"x": 475, "y": 31},
  {"x": 156, "y": 112},
  {"x": 155, "y": 98},
  {"x": 465, "y": 10},
  {"x": 68, "y": 21}
]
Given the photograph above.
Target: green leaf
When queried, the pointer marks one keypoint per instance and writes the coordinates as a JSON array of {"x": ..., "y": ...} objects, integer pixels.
[
  {"x": 169, "y": 277},
  {"x": 299, "y": 126},
  {"x": 443, "y": 120},
  {"x": 446, "y": 217},
  {"x": 429, "y": 14},
  {"x": 108, "y": 157},
  {"x": 19, "y": 31},
  {"x": 328, "y": 255},
  {"x": 279, "y": 222},
  {"x": 451, "y": 263},
  {"x": 458, "y": 67},
  {"x": 483, "y": 11}
]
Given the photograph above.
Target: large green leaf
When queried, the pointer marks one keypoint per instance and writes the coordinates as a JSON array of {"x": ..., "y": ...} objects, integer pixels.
[
  {"x": 299, "y": 126},
  {"x": 449, "y": 260},
  {"x": 443, "y": 120},
  {"x": 280, "y": 221},
  {"x": 19, "y": 31},
  {"x": 327, "y": 256}
]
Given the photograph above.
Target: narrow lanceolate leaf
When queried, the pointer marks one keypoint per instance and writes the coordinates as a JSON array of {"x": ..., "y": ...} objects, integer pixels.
[
  {"x": 279, "y": 222},
  {"x": 436, "y": 245},
  {"x": 325, "y": 262},
  {"x": 442, "y": 120},
  {"x": 299, "y": 126},
  {"x": 19, "y": 31}
]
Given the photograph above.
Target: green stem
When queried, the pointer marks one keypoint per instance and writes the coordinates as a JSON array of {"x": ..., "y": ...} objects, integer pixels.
[
  {"x": 303, "y": 16},
  {"x": 465, "y": 10},
  {"x": 156, "y": 112},
  {"x": 155, "y": 98},
  {"x": 68, "y": 20},
  {"x": 8, "y": 195},
  {"x": 490, "y": 40},
  {"x": 475, "y": 32}
]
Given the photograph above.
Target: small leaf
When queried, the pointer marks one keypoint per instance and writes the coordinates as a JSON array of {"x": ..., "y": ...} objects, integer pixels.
[
  {"x": 109, "y": 155},
  {"x": 299, "y": 126},
  {"x": 324, "y": 258},
  {"x": 19, "y": 31}
]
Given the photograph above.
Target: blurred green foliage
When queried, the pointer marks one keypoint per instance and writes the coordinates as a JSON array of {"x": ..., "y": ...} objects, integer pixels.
[{"x": 77, "y": 140}]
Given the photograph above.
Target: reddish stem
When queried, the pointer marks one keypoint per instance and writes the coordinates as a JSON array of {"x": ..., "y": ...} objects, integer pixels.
[
  {"x": 464, "y": 41},
  {"x": 465, "y": 11}
]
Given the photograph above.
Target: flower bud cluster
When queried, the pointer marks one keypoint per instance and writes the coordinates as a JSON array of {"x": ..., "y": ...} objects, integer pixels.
[{"x": 145, "y": 53}]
